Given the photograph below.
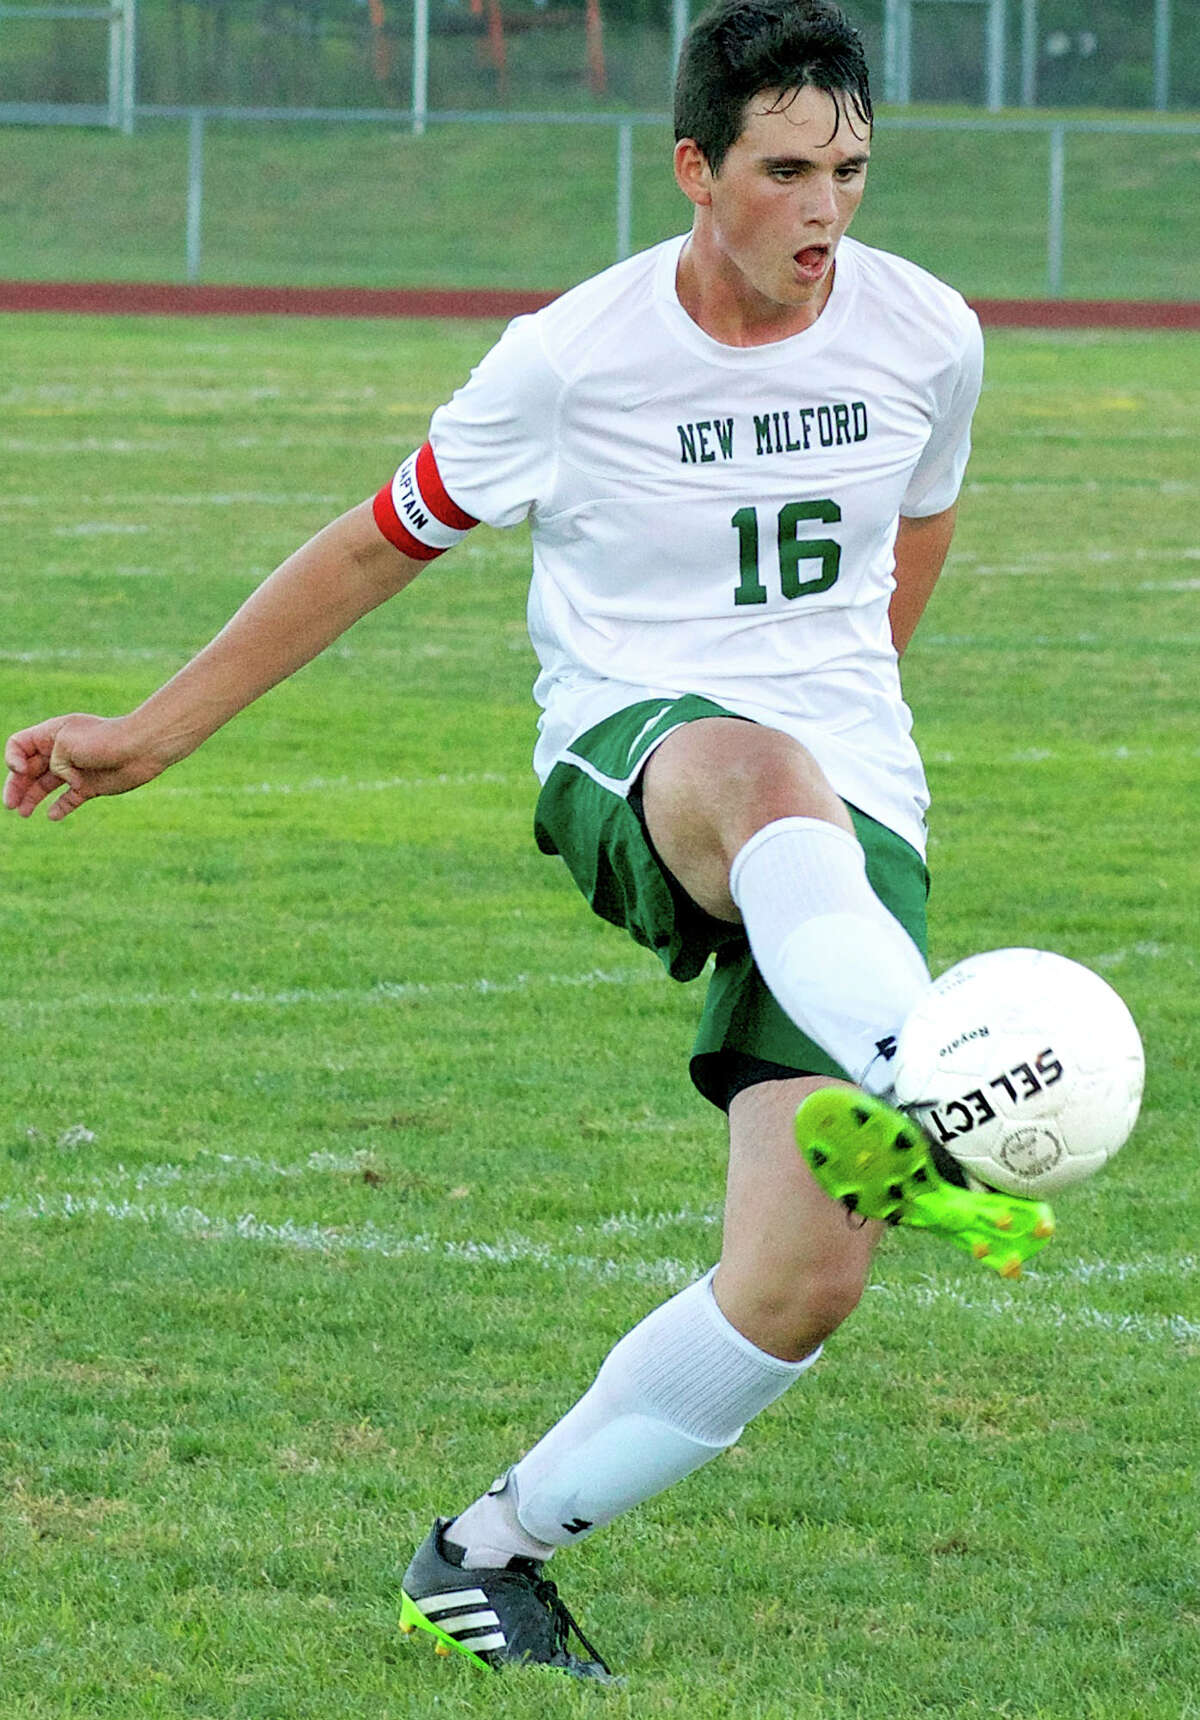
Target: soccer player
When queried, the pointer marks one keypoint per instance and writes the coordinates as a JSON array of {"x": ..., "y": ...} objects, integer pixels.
[{"x": 739, "y": 453}]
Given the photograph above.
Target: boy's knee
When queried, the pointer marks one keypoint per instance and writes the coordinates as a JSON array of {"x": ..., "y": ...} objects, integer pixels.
[{"x": 790, "y": 1315}]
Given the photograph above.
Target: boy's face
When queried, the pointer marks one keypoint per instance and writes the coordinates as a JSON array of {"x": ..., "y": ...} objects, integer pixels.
[{"x": 785, "y": 193}]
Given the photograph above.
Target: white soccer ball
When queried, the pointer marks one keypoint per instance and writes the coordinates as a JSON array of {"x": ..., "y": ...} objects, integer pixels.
[{"x": 1025, "y": 1066}]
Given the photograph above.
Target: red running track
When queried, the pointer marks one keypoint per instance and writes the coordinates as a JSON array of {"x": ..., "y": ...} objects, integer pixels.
[{"x": 152, "y": 298}]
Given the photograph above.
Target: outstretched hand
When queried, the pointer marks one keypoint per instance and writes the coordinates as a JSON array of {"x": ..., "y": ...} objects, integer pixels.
[
  {"x": 85, "y": 756},
  {"x": 323, "y": 588}
]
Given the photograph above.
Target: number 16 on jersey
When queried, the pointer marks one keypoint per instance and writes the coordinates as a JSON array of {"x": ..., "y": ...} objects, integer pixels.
[{"x": 794, "y": 551}]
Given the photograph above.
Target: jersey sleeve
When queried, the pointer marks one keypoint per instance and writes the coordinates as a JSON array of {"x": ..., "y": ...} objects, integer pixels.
[
  {"x": 938, "y": 474},
  {"x": 494, "y": 439}
]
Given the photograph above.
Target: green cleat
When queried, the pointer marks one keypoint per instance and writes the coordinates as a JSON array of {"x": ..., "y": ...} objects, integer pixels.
[{"x": 880, "y": 1164}]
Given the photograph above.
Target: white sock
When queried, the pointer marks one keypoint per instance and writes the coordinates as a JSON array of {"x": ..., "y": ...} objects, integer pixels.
[
  {"x": 832, "y": 956},
  {"x": 674, "y": 1392},
  {"x": 490, "y": 1532}
]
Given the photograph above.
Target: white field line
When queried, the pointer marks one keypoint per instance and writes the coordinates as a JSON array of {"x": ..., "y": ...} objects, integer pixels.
[
  {"x": 1039, "y": 561},
  {"x": 74, "y": 570},
  {"x": 392, "y": 991},
  {"x": 83, "y": 570},
  {"x": 518, "y": 644},
  {"x": 1129, "y": 433},
  {"x": 1035, "y": 570},
  {"x": 175, "y": 391},
  {"x": 386, "y": 992},
  {"x": 99, "y": 528},
  {"x": 326, "y": 785},
  {"x": 1054, "y": 755},
  {"x": 99, "y": 654},
  {"x": 468, "y": 779},
  {"x": 1054, "y": 641},
  {"x": 1086, "y": 486},
  {"x": 210, "y": 1169},
  {"x": 1027, "y": 1306},
  {"x": 1119, "y": 1271},
  {"x": 503, "y": 779},
  {"x": 165, "y": 385},
  {"x": 188, "y": 443},
  {"x": 176, "y": 654},
  {"x": 81, "y": 445},
  {"x": 188, "y": 499},
  {"x": 1142, "y": 952},
  {"x": 93, "y": 445},
  {"x": 340, "y": 785},
  {"x": 191, "y": 1222},
  {"x": 219, "y": 1169}
]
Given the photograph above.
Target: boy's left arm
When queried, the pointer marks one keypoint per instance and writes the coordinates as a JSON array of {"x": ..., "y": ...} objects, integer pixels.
[{"x": 921, "y": 549}]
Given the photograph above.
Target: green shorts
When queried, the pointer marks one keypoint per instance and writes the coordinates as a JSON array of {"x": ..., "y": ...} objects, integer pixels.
[{"x": 590, "y": 812}]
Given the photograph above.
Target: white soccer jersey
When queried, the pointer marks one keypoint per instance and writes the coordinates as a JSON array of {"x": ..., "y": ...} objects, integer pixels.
[{"x": 720, "y": 520}]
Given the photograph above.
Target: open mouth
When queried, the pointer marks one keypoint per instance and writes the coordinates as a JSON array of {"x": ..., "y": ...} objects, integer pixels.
[{"x": 812, "y": 261}]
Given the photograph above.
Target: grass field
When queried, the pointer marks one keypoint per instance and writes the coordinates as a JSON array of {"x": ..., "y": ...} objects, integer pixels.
[
  {"x": 375, "y": 206},
  {"x": 340, "y": 1142}
]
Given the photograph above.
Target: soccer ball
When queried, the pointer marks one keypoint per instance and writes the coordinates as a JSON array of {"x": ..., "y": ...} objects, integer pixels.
[{"x": 1025, "y": 1066}]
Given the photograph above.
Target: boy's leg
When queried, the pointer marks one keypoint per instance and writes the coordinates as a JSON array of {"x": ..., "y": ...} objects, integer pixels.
[
  {"x": 793, "y": 1266},
  {"x": 746, "y": 822},
  {"x": 683, "y": 1383},
  {"x": 678, "y": 1389}
]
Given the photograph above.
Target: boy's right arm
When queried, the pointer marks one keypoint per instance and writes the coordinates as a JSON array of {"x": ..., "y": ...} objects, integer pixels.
[{"x": 347, "y": 570}]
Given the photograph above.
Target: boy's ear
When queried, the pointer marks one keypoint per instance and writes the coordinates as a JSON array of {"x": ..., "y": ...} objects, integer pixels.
[{"x": 692, "y": 172}]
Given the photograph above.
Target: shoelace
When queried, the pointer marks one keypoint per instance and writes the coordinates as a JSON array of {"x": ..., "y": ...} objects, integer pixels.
[{"x": 564, "y": 1621}]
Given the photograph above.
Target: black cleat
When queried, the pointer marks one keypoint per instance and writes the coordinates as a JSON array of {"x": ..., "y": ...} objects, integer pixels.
[{"x": 497, "y": 1616}]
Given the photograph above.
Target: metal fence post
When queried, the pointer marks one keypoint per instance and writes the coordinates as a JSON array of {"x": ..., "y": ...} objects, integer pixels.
[
  {"x": 1029, "y": 53},
  {"x": 889, "y": 50},
  {"x": 128, "y": 64},
  {"x": 1054, "y": 215},
  {"x": 624, "y": 191},
  {"x": 195, "y": 190},
  {"x": 114, "y": 65},
  {"x": 680, "y": 22},
  {"x": 997, "y": 23},
  {"x": 420, "y": 69},
  {"x": 1162, "y": 53},
  {"x": 904, "y": 55}
]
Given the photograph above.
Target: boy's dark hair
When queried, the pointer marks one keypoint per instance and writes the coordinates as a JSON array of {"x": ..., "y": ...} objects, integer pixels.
[{"x": 744, "y": 47}]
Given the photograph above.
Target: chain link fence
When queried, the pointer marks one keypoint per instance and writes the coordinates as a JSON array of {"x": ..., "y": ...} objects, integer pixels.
[
  {"x": 508, "y": 144},
  {"x": 525, "y": 55}
]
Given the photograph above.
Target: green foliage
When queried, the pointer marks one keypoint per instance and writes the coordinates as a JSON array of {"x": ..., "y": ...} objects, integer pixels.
[{"x": 340, "y": 1141}]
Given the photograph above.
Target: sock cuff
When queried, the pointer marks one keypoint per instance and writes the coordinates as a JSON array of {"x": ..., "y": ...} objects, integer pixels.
[
  {"x": 763, "y": 1358},
  {"x": 782, "y": 827}
]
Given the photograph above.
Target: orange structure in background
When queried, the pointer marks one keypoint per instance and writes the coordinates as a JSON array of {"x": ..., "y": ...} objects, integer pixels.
[
  {"x": 381, "y": 48},
  {"x": 497, "y": 46},
  {"x": 597, "y": 77},
  {"x": 496, "y": 49}
]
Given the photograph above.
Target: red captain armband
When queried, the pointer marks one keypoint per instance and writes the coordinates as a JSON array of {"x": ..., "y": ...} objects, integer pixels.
[{"x": 414, "y": 512}]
